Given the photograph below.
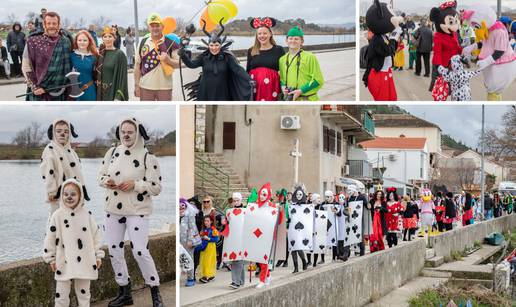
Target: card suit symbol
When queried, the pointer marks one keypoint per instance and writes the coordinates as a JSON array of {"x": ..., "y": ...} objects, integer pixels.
[
  {"x": 257, "y": 232},
  {"x": 354, "y": 215},
  {"x": 299, "y": 226},
  {"x": 245, "y": 254},
  {"x": 273, "y": 212},
  {"x": 329, "y": 225},
  {"x": 306, "y": 211},
  {"x": 232, "y": 256},
  {"x": 316, "y": 214},
  {"x": 292, "y": 242},
  {"x": 225, "y": 255},
  {"x": 265, "y": 257},
  {"x": 333, "y": 240},
  {"x": 348, "y": 230},
  {"x": 306, "y": 241},
  {"x": 237, "y": 211},
  {"x": 293, "y": 211},
  {"x": 355, "y": 228},
  {"x": 323, "y": 216},
  {"x": 358, "y": 207},
  {"x": 346, "y": 239},
  {"x": 321, "y": 246},
  {"x": 240, "y": 253},
  {"x": 252, "y": 208},
  {"x": 358, "y": 236}
]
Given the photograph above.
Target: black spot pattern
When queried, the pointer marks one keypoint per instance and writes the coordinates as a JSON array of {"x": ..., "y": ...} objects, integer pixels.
[
  {"x": 136, "y": 228},
  {"x": 144, "y": 178},
  {"x": 72, "y": 214},
  {"x": 152, "y": 278},
  {"x": 53, "y": 228},
  {"x": 132, "y": 246},
  {"x": 57, "y": 241},
  {"x": 43, "y": 177},
  {"x": 67, "y": 225},
  {"x": 79, "y": 243},
  {"x": 51, "y": 172},
  {"x": 58, "y": 272},
  {"x": 107, "y": 198},
  {"x": 140, "y": 197},
  {"x": 57, "y": 295},
  {"x": 155, "y": 167},
  {"x": 117, "y": 154},
  {"x": 119, "y": 274},
  {"x": 66, "y": 221},
  {"x": 113, "y": 246},
  {"x": 51, "y": 147},
  {"x": 115, "y": 193},
  {"x": 72, "y": 164},
  {"x": 119, "y": 206},
  {"x": 139, "y": 253},
  {"x": 94, "y": 267},
  {"x": 108, "y": 215},
  {"x": 78, "y": 258},
  {"x": 136, "y": 163},
  {"x": 84, "y": 229},
  {"x": 121, "y": 244},
  {"x": 117, "y": 173},
  {"x": 83, "y": 291},
  {"x": 127, "y": 153},
  {"x": 45, "y": 250},
  {"x": 122, "y": 220}
]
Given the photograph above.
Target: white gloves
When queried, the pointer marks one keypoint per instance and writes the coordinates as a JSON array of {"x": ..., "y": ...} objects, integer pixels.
[
  {"x": 395, "y": 35},
  {"x": 482, "y": 64},
  {"x": 467, "y": 51}
]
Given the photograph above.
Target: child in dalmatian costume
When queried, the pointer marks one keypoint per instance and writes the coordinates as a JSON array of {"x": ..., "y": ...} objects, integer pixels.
[
  {"x": 73, "y": 245},
  {"x": 59, "y": 161},
  {"x": 188, "y": 237},
  {"x": 497, "y": 60},
  {"x": 458, "y": 78},
  {"x": 130, "y": 175}
]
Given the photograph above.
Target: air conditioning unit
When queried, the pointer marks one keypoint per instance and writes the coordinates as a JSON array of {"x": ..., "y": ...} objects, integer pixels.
[
  {"x": 290, "y": 122},
  {"x": 345, "y": 170},
  {"x": 393, "y": 158}
]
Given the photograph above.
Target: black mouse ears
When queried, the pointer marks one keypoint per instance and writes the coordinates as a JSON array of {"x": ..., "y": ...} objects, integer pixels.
[
  {"x": 379, "y": 7},
  {"x": 142, "y": 130},
  {"x": 50, "y": 131}
]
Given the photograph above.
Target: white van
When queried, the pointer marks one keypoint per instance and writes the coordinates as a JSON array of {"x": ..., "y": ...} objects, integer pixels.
[{"x": 507, "y": 187}]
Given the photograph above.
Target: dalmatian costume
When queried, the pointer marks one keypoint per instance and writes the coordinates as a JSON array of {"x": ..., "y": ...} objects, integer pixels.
[
  {"x": 59, "y": 163},
  {"x": 73, "y": 243},
  {"x": 129, "y": 211},
  {"x": 458, "y": 78}
]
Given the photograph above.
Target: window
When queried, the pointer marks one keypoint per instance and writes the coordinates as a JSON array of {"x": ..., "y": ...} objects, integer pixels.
[
  {"x": 228, "y": 135},
  {"x": 339, "y": 144},
  {"x": 326, "y": 140},
  {"x": 331, "y": 137}
]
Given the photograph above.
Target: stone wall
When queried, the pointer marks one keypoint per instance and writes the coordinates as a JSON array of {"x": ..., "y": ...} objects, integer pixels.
[
  {"x": 31, "y": 282},
  {"x": 354, "y": 283},
  {"x": 456, "y": 240}
]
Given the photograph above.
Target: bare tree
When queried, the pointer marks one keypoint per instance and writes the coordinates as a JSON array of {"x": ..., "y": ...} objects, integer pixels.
[
  {"x": 81, "y": 23},
  {"x": 101, "y": 22},
  {"x": 502, "y": 143},
  {"x": 30, "y": 16},
  {"x": 11, "y": 18},
  {"x": 156, "y": 136},
  {"x": 456, "y": 174},
  {"x": 111, "y": 135},
  {"x": 30, "y": 136}
]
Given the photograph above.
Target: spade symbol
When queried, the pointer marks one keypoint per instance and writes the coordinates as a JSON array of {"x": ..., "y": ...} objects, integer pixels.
[
  {"x": 293, "y": 211},
  {"x": 316, "y": 215},
  {"x": 358, "y": 207},
  {"x": 346, "y": 239},
  {"x": 306, "y": 211},
  {"x": 292, "y": 242},
  {"x": 306, "y": 241},
  {"x": 299, "y": 226}
]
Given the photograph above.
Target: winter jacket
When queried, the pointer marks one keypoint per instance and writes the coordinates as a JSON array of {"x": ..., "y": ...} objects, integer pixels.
[
  {"x": 425, "y": 38},
  {"x": 16, "y": 40}
]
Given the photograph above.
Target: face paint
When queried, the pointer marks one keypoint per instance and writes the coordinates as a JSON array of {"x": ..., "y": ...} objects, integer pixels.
[
  {"x": 263, "y": 195},
  {"x": 342, "y": 199},
  {"x": 237, "y": 202},
  {"x": 299, "y": 195},
  {"x": 62, "y": 134},
  {"x": 71, "y": 196},
  {"x": 329, "y": 198},
  {"x": 128, "y": 134}
]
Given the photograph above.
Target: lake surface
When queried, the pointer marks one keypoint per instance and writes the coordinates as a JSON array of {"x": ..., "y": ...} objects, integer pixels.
[{"x": 24, "y": 212}]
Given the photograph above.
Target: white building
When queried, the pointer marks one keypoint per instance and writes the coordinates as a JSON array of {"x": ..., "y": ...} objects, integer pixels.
[
  {"x": 490, "y": 167},
  {"x": 404, "y": 161}
]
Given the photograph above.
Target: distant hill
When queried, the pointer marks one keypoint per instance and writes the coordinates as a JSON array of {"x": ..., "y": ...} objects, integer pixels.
[
  {"x": 452, "y": 143},
  {"x": 239, "y": 26},
  {"x": 170, "y": 138}
]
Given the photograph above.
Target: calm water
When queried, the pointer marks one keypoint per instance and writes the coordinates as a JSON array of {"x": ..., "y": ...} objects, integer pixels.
[
  {"x": 24, "y": 213},
  {"x": 244, "y": 42}
]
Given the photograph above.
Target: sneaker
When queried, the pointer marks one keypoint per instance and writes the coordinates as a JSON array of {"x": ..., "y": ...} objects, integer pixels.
[
  {"x": 211, "y": 278},
  {"x": 268, "y": 281},
  {"x": 190, "y": 283},
  {"x": 203, "y": 280},
  {"x": 234, "y": 286},
  {"x": 260, "y": 285}
]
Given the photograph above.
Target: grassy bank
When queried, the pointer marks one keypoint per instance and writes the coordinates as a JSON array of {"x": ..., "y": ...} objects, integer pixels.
[
  {"x": 20, "y": 153},
  {"x": 478, "y": 296}
]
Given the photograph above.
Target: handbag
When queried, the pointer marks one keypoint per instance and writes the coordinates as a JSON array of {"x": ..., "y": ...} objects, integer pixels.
[{"x": 441, "y": 89}]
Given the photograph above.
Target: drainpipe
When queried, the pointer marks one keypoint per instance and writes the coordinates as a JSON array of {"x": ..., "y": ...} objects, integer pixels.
[{"x": 248, "y": 122}]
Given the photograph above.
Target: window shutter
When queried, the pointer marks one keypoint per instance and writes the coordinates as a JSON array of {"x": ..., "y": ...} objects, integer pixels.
[{"x": 229, "y": 135}]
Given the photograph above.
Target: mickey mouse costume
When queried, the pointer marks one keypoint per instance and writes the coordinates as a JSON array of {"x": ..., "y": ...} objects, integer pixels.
[
  {"x": 59, "y": 162},
  {"x": 378, "y": 78},
  {"x": 129, "y": 211}
]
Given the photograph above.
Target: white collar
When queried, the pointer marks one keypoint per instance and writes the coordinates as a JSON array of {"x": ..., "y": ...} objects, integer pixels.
[{"x": 76, "y": 51}]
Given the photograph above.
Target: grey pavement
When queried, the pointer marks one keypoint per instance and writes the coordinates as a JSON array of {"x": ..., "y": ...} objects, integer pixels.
[
  {"x": 338, "y": 67},
  {"x": 142, "y": 297}
]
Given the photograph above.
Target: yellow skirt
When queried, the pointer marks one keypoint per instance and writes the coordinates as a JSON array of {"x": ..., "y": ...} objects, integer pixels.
[
  {"x": 208, "y": 261},
  {"x": 399, "y": 59}
]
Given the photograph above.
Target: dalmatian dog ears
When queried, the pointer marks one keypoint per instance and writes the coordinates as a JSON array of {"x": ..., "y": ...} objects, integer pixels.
[
  {"x": 50, "y": 132},
  {"x": 84, "y": 191},
  {"x": 142, "y": 130}
]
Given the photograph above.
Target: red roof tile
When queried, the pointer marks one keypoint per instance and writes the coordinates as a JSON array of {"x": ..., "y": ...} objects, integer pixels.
[{"x": 398, "y": 143}]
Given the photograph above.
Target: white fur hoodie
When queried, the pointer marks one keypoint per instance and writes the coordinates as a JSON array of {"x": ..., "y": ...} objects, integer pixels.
[
  {"x": 73, "y": 241},
  {"x": 123, "y": 163},
  {"x": 59, "y": 162}
]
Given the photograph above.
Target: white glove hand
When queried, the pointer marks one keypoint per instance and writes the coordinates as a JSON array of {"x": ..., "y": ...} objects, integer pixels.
[
  {"x": 482, "y": 64},
  {"x": 395, "y": 35},
  {"x": 467, "y": 51}
]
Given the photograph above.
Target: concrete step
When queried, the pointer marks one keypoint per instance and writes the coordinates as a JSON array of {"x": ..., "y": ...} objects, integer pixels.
[
  {"x": 435, "y": 273},
  {"x": 467, "y": 271},
  {"x": 430, "y": 253},
  {"x": 434, "y": 262},
  {"x": 464, "y": 282}
]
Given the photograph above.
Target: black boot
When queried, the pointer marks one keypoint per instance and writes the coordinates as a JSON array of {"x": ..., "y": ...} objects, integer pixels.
[
  {"x": 294, "y": 259},
  {"x": 124, "y": 297},
  {"x": 156, "y": 297},
  {"x": 305, "y": 264}
]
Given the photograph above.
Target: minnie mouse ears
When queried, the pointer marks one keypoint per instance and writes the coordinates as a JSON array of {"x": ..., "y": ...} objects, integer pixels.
[{"x": 258, "y": 22}]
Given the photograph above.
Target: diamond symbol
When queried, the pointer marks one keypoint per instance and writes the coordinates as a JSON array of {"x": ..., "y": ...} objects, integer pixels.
[
  {"x": 245, "y": 254},
  {"x": 257, "y": 232}
]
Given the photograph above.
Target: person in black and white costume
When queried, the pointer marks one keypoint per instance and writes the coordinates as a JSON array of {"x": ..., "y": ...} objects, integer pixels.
[
  {"x": 355, "y": 195},
  {"x": 131, "y": 176}
]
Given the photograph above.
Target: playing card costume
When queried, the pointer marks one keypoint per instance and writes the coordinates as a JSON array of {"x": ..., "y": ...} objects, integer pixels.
[
  {"x": 45, "y": 63},
  {"x": 281, "y": 254},
  {"x": 342, "y": 219},
  {"x": 319, "y": 230},
  {"x": 458, "y": 79},
  {"x": 497, "y": 59},
  {"x": 378, "y": 78},
  {"x": 299, "y": 199},
  {"x": 446, "y": 45},
  {"x": 301, "y": 71},
  {"x": 188, "y": 235},
  {"x": 426, "y": 209},
  {"x": 360, "y": 216},
  {"x": 59, "y": 162},
  {"x": 129, "y": 211},
  {"x": 392, "y": 217},
  {"x": 263, "y": 65},
  {"x": 331, "y": 235},
  {"x": 222, "y": 78},
  {"x": 73, "y": 244}
]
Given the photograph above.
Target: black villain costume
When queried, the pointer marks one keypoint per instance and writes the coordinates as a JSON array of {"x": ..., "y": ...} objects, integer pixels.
[{"x": 222, "y": 78}]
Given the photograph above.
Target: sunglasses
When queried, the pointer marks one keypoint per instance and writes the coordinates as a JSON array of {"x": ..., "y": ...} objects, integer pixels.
[{"x": 206, "y": 201}]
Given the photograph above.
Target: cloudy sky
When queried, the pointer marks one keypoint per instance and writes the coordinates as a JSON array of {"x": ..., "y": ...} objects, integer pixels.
[
  {"x": 89, "y": 121},
  {"x": 411, "y": 6},
  {"x": 463, "y": 123},
  {"x": 121, "y": 11}
]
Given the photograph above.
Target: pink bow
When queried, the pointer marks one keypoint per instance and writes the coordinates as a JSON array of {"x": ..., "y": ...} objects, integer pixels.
[
  {"x": 266, "y": 22},
  {"x": 448, "y": 4}
]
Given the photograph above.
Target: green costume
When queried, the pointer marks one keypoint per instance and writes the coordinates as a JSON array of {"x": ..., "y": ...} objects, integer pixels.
[
  {"x": 412, "y": 50},
  {"x": 112, "y": 73},
  {"x": 301, "y": 71}
]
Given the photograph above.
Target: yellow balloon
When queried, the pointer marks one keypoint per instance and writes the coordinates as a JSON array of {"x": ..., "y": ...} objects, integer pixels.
[
  {"x": 230, "y": 5},
  {"x": 210, "y": 25},
  {"x": 218, "y": 12}
]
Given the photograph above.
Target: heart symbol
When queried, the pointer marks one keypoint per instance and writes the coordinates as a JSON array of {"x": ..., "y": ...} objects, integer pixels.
[
  {"x": 232, "y": 256},
  {"x": 237, "y": 211},
  {"x": 299, "y": 226},
  {"x": 306, "y": 241},
  {"x": 306, "y": 211},
  {"x": 252, "y": 208},
  {"x": 225, "y": 255},
  {"x": 273, "y": 212}
]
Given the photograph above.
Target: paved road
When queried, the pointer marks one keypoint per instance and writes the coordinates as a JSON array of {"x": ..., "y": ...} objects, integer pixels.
[
  {"x": 413, "y": 88},
  {"x": 338, "y": 68}
]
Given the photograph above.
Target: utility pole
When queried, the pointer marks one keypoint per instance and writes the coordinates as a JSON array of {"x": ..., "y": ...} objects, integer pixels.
[
  {"x": 482, "y": 174},
  {"x": 296, "y": 154},
  {"x": 136, "y": 30},
  {"x": 499, "y": 8}
]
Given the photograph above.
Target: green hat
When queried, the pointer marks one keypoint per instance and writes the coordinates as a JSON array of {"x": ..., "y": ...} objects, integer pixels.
[{"x": 295, "y": 31}]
